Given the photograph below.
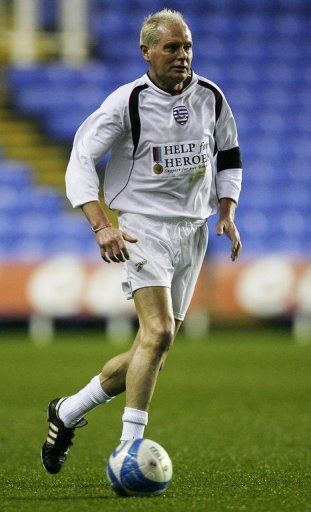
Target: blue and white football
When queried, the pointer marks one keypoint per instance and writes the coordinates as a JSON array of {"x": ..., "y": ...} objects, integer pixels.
[{"x": 139, "y": 468}]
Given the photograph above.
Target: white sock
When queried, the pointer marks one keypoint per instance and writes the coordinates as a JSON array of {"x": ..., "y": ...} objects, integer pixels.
[
  {"x": 134, "y": 423},
  {"x": 74, "y": 407}
]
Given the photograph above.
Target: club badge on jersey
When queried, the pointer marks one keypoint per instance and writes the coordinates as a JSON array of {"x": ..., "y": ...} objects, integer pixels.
[{"x": 181, "y": 114}]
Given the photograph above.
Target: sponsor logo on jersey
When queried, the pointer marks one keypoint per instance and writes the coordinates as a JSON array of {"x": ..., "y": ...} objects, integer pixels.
[
  {"x": 181, "y": 114},
  {"x": 181, "y": 158}
]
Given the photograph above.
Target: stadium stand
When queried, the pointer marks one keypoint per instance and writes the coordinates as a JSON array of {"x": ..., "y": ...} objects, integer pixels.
[
  {"x": 258, "y": 53},
  {"x": 34, "y": 222}
]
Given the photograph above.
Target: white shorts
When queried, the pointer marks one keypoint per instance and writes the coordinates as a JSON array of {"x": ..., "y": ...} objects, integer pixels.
[{"x": 169, "y": 253}]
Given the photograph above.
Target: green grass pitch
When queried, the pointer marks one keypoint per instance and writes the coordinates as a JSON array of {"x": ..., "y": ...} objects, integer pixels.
[{"x": 233, "y": 412}]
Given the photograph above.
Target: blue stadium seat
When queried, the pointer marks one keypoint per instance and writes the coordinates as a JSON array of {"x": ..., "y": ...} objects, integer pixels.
[
  {"x": 253, "y": 220},
  {"x": 8, "y": 224},
  {"x": 48, "y": 11},
  {"x": 108, "y": 22},
  {"x": 15, "y": 174},
  {"x": 137, "y": 69},
  {"x": 30, "y": 248},
  {"x": 59, "y": 74},
  {"x": 39, "y": 100},
  {"x": 64, "y": 226},
  {"x": 289, "y": 5},
  {"x": 298, "y": 170},
  {"x": 63, "y": 126},
  {"x": 74, "y": 245},
  {"x": 208, "y": 48},
  {"x": 290, "y": 245},
  {"x": 28, "y": 200},
  {"x": 281, "y": 73},
  {"x": 44, "y": 200},
  {"x": 224, "y": 24},
  {"x": 35, "y": 224},
  {"x": 96, "y": 73},
  {"x": 7, "y": 245},
  {"x": 290, "y": 25},
  {"x": 140, "y": 6},
  {"x": 27, "y": 75},
  {"x": 293, "y": 222},
  {"x": 10, "y": 201},
  {"x": 285, "y": 49},
  {"x": 89, "y": 97},
  {"x": 256, "y": 24},
  {"x": 72, "y": 225}
]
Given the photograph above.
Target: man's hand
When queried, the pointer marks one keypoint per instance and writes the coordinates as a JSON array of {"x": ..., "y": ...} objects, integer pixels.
[
  {"x": 226, "y": 225},
  {"x": 110, "y": 239},
  {"x": 112, "y": 246}
]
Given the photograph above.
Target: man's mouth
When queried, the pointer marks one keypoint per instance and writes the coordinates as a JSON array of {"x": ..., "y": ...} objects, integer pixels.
[{"x": 180, "y": 68}]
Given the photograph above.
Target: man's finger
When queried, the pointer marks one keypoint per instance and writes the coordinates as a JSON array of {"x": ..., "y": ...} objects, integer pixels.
[
  {"x": 124, "y": 250},
  {"x": 233, "y": 254},
  {"x": 236, "y": 247},
  {"x": 129, "y": 238},
  {"x": 219, "y": 229},
  {"x": 125, "y": 253},
  {"x": 111, "y": 255},
  {"x": 117, "y": 252},
  {"x": 231, "y": 232},
  {"x": 103, "y": 255}
]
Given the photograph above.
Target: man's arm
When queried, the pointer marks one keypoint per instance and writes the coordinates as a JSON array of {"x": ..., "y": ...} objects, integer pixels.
[
  {"x": 95, "y": 137},
  {"x": 110, "y": 239},
  {"x": 226, "y": 225},
  {"x": 228, "y": 176},
  {"x": 92, "y": 141}
]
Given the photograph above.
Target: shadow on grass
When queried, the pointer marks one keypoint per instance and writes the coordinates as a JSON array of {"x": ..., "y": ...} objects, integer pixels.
[
  {"x": 111, "y": 497},
  {"x": 49, "y": 498}
]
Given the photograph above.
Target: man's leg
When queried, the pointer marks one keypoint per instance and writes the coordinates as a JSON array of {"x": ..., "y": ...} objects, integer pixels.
[
  {"x": 101, "y": 389},
  {"x": 110, "y": 382},
  {"x": 113, "y": 375},
  {"x": 113, "y": 378},
  {"x": 62, "y": 423},
  {"x": 157, "y": 330}
]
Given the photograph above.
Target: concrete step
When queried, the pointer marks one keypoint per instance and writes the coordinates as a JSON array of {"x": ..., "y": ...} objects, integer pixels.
[
  {"x": 5, "y": 114},
  {"x": 13, "y": 126},
  {"x": 20, "y": 138},
  {"x": 26, "y": 152}
]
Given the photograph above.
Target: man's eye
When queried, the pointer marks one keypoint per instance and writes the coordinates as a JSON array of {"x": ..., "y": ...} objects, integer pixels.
[{"x": 174, "y": 48}]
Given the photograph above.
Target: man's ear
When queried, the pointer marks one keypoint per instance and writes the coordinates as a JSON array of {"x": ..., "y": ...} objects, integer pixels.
[{"x": 145, "y": 51}]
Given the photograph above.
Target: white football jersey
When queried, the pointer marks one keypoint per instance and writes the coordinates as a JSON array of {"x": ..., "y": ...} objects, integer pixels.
[{"x": 171, "y": 155}]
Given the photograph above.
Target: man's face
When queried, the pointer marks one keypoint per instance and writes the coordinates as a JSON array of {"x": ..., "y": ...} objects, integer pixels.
[{"x": 170, "y": 59}]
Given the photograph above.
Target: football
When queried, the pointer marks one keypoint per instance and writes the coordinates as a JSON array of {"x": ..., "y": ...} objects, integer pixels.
[{"x": 139, "y": 468}]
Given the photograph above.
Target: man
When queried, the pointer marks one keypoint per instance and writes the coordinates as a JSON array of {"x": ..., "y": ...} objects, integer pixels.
[{"x": 164, "y": 131}]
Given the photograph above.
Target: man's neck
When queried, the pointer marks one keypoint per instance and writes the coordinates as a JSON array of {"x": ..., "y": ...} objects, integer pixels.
[{"x": 173, "y": 89}]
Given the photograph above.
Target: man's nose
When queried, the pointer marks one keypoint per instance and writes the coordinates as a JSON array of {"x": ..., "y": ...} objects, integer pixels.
[{"x": 182, "y": 54}]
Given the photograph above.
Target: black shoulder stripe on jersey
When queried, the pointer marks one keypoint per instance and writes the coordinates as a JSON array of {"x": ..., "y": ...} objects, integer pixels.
[
  {"x": 135, "y": 126},
  {"x": 134, "y": 114},
  {"x": 229, "y": 159},
  {"x": 217, "y": 94}
]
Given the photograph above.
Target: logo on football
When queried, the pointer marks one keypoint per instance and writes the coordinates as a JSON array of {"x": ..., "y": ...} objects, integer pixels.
[{"x": 139, "y": 468}]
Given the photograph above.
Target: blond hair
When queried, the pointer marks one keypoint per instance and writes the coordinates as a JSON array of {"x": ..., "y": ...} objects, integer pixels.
[{"x": 149, "y": 34}]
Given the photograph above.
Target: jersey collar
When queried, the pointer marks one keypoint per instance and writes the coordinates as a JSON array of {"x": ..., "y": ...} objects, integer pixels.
[{"x": 189, "y": 83}]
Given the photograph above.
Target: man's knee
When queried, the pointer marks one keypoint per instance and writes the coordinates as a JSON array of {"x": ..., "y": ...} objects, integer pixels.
[{"x": 159, "y": 335}]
